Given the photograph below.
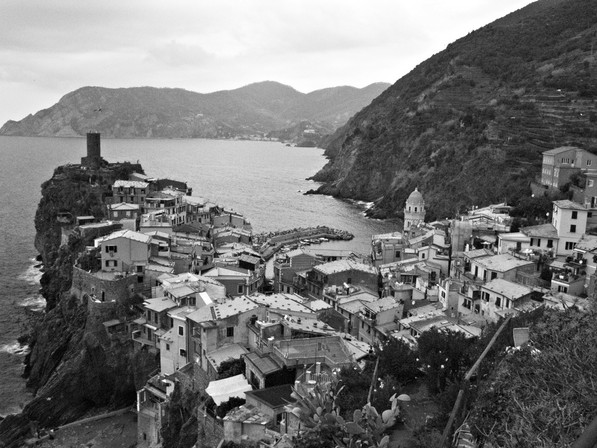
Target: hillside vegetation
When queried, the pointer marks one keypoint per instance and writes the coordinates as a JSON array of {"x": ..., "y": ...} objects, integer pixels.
[
  {"x": 253, "y": 110},
  {"x": 468, "y": 125}
]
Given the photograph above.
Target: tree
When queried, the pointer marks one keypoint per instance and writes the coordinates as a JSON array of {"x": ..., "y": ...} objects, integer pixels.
[
  {"x": 445, "y": 356},
  {"x": 397, "y": 360},
  {"x": 231, "y": 367}
]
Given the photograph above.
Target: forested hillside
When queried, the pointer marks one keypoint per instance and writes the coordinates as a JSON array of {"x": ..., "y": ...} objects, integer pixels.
[{"x": 468, "y": 125}]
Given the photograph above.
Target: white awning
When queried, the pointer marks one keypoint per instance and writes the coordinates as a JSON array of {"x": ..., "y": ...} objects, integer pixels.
[{"x": 223, "y": 390}]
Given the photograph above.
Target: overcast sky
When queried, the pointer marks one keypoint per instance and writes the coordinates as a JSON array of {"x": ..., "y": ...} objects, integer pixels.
[{"x": 51, "y": 47}]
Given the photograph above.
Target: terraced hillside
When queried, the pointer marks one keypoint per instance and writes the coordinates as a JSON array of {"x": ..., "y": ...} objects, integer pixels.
[{"x": 468, "y": 125}]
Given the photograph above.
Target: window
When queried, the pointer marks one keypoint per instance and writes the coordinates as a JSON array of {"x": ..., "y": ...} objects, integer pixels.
[
  {"x": 493, "y": 275},
  {"x": 573, "y": 228},
  {"x": 139, "y": 269},
  {"x": 570, "y": 245},
  {"x": 590, "y": 183},
  {"x": 422, "y": 255},
  {"x": 115, "y": 214},
  {"x": 485, "y": 296},
  {"x": 183, "y": 352},
  {"x": 589, "y": 162},
  {"x": 538, "y": 242},
  {"x": 550, "y": 243},
  {"x": 397, "y": 254},
  {"x": 498, "y": 301},
  {"x": 167, "y": 346},
  {"x": 128, "y": 214},
  {"x": 181, "y": 330},
  {"x": 240, "y": 289},
  {"x": 111, "y": 249},
  {"x": 574, "y": 214},
  {"x": 229, "y": 332}
]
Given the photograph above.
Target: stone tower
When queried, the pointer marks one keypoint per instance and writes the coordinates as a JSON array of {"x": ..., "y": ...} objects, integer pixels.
[
  {"x": 94, "y": 152},
  {"x": 414, "y": 211}
]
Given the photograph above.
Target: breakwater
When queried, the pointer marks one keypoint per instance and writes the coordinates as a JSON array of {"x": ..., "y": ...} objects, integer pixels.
[{"x": 271, "y": 242}]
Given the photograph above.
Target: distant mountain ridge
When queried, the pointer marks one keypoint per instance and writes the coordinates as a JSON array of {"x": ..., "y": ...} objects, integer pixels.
[
  {"x": 253, "y": 110},
  {"x": 468, "y": 125}
]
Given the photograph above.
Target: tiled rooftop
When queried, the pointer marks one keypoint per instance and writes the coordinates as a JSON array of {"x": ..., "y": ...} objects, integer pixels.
[
  {"x": 506, "y": 288},
  {"x": 337, "y": 266},
  {"x": 502, "y": 262},
  {"x": 130, "y": 183}
]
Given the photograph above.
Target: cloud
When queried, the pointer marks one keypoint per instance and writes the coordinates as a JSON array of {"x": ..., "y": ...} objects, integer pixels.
[{"x": 51, "y": 48}]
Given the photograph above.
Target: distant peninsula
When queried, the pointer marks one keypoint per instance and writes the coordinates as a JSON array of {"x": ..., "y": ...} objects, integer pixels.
[{"x": 259, "y": 111}]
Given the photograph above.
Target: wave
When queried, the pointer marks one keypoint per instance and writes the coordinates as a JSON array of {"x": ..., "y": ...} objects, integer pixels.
[
  {"x": 32, "y": 274},
  {"x": 15, "y": 348},
  {"x": 34, "y": 303}
]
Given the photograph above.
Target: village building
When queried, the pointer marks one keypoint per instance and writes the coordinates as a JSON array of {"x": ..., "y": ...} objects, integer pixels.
[
  {"x": 151, "y": 409},
  {"x": 414, "y": 210},
  {"x": 570, "y": 222},
  {"x": 125, "y": 213},
  {"x": 169, "y": 204},
  {"x": 497, "y": 298},
  {"x": 238, "y": 281},
  {"x": 387, "y": 248},
  {"x": 211, "y": 327},
  {"x": 130, "y": 192},
  {"x": 227, "y": 218},
  {"x": 377, "y": 319},
  {"x": 125, "y": 251},
  {"x": 339, "y": 272},
  {"x": 583, "y": 262},
  {"x": 559, "y": 164},
  {"x": 287, "y": 265}
]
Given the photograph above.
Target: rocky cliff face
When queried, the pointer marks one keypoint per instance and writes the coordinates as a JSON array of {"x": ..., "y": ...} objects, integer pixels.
[
  {"x": 74, "y": 366},
  {"x": 255, "y": 109},
  {"x": 468, "y": 125}
]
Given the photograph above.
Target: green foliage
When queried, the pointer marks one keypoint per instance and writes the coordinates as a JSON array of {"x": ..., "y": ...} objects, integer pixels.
[
  {"x": 532, "y": 209},
  {"x": 354, "y": 391},
  {"x": 398, "y": 361},
  {"x": 543, "y": 394},
  {"x": 179, "y": 429},
  {"x": 227, "y": 406},
  {"x": 445, "y": 357},
  {"x": 231, "y": 367},
  {"x": 324, "y": 426}
]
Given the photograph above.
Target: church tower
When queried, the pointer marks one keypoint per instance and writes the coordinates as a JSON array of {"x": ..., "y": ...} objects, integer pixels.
[{"x": 414, "y": 211}]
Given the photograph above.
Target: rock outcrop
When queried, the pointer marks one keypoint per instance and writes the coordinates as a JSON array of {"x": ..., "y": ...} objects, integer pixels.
[{"x": 74, "y": 367}]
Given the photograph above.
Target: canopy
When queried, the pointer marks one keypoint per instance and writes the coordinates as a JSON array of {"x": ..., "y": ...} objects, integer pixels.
[{"x": 223, "y": 390}]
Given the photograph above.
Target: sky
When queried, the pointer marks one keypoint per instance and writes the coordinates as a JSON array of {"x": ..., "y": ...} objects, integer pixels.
[{"x": 50, "y": 48}]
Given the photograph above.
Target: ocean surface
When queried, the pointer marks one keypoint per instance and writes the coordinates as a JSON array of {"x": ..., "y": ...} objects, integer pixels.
[{"x": 264, "y": 181}]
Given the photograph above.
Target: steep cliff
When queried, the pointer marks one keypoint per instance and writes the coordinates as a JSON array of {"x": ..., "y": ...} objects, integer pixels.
[
  {"x": 75, "y": 367},
  {"x": 468, "y": 125}
]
